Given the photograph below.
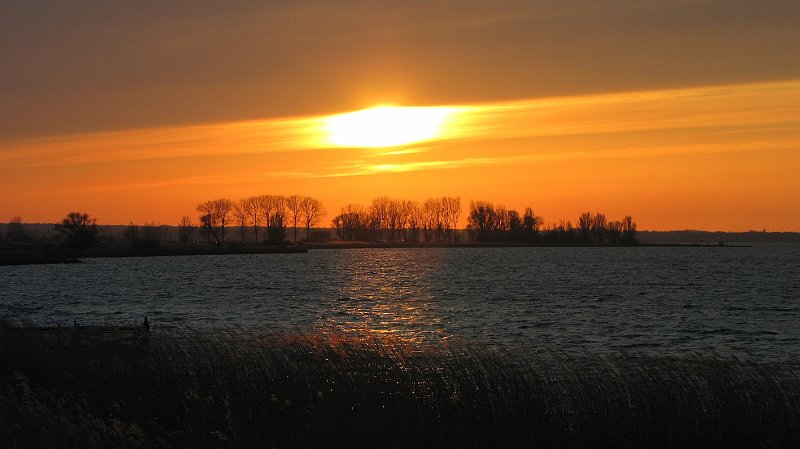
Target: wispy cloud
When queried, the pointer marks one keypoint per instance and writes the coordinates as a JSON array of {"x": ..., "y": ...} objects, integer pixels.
[
  {"x": 717, "y": 108},
  {"x": 210, "y": 180},
  {"x": 727, "y": 106},
  {"x": 363, "y": 169},
  {"x": 372, "y": 169}
]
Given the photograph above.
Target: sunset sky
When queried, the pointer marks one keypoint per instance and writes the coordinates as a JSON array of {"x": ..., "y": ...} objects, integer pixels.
[{"x": 684, "y": 114}]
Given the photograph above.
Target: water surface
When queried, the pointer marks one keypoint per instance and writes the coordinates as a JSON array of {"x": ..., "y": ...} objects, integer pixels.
[{"x": 731, "y": 301}]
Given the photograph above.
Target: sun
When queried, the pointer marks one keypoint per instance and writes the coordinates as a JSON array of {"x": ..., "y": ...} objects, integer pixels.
[{"x": 387, "y": 126}]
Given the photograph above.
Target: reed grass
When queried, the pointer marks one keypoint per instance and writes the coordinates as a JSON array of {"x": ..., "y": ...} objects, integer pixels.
[{"x": 242, "y": 389}]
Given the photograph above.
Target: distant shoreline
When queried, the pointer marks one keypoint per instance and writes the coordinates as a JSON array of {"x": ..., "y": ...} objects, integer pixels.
[
  {"x": 39, "y": 255},
  {"x": 379, "y": 245},
  {"x": 43, "y": 254}
]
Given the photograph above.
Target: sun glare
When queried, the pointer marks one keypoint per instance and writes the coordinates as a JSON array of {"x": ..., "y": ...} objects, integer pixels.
[{"x": 387, "y": 126}]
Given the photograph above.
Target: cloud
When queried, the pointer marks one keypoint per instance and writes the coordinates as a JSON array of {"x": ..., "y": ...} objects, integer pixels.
[
  {"x": 366, "y": 169},
  {"x": 723, "y": 106},
  {"x": 762, "y": 108},
  {"x": 97, "y": 66},
  {"x": 373, "y": 169},
  {"x": 208, "y": 180}
]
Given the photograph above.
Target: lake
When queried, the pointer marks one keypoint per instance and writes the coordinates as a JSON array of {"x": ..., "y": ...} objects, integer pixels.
[{"x": 731, "y": 301}]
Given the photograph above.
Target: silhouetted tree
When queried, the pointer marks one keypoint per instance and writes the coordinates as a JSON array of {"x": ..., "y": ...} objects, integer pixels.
[
  {"x": 276, "y": 223},
  {"x": 481, "y": 220},
  {"x": 207, "y": 228},
  {"x": 599, "y": 228},
  {"x": 379, "y": 211},
  {"x": 451, "y": 212},
  {"x": 614, "y": 232},
  {"x": 271, "y": 205},
  {"x": 223, "y": 208},
  {"x": 414, "y": 221},
  {"x": 594, "y": 228},
  {"x": 252, "y": 206},
  {"x": 394, "y": 213},
  {"x": 628, "y": 230},
  {"x": 209, "y": 221},
  {"x": 295, "y": 205},
  {"x": 515, "y": 231},
  {"x": 352, "y": 223},
  {"x": 79, "y": 230},
  {"x": 585, "y": 226},
  {"x": 276, "y": 231},
  {"x": 185, "y": 229},
  {"x": 264, "y": 206},
  {"x": 241, "y": 215},
  {"x": 530, "y": 224},
  {"x": 313, "y": 211},
  {"x": 501, "y": 223},
  {"x": 431, "y": 219}
]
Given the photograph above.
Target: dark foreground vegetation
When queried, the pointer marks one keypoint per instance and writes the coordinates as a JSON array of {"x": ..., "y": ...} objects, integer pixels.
[{"x": 74, "y": 387}]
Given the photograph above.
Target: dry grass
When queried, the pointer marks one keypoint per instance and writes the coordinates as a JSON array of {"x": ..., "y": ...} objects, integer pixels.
[{"x": 188, "y": 388}]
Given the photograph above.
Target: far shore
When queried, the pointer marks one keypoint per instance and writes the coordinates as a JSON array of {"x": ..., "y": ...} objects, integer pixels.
[
  {"x": 49, "y": 254},
  {"x": 32, "y": 254},
  {"x": 356, "y": 245}
]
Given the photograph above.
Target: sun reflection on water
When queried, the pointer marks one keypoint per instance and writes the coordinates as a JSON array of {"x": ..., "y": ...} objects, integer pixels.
[{"x": 382, "y": 298}]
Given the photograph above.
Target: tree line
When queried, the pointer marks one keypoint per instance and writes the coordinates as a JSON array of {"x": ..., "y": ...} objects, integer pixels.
[
  {"x": 385, "y": 219},
  {"x": 487, "y": 222},
  {"x": 274, "y": 212},
  {"x": 436, "y": 220},
  {"x": 392, "y": 220}
]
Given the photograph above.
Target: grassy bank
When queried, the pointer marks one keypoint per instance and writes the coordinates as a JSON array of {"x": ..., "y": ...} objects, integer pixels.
[{"x": 185, "y": 388}]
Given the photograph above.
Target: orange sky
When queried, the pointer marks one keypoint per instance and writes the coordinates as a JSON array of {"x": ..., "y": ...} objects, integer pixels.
[
  {"x": 683, "y": 114},
  {"x": 717, "y": 157}
]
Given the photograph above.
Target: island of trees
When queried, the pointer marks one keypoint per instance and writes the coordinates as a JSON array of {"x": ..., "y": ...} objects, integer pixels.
[
  {"x": 257, "y": 222},
  {"x": 436, "y": 220}
]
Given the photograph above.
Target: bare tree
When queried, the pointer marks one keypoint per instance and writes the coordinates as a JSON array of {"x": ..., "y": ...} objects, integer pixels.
[
  {"x": 406, "y": 209},
  {"x": 352, "y": 223},
  {"x": 628, "y": 230},
  {"x": 264, "y": 207},
  {"x": 614, "y": 232},
  {"x": 414, "y": 213},
  {"x": 599, "y": 227},
  {"x": 379, "y": 209},
  {"x": 241, "y": 215},
  {"x": 585, "y": 226},
  {"x": 224, "y": 207},
  {"x": 451, "y": 212},
  {"x": 209, "y": 220},
  {"x": 430, "y": 218},
  {"x": 295, "y": 205},
  {"x": 185, "y": 229},
  {"x": 79, "y": 229},
  {"x": 393, "y": 218},
  {"x": 531, "y": 223},
  {"x": 253, "y": 208},
  {"x": 502, "y": 222},
  {"x": 313, "y": 211},
  {"x": 481, "y": 221},
  {"x": 274, "y": 208}
]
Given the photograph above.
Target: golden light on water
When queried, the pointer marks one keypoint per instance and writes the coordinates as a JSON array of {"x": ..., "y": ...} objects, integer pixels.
[{"x": 388, "y": 126}]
